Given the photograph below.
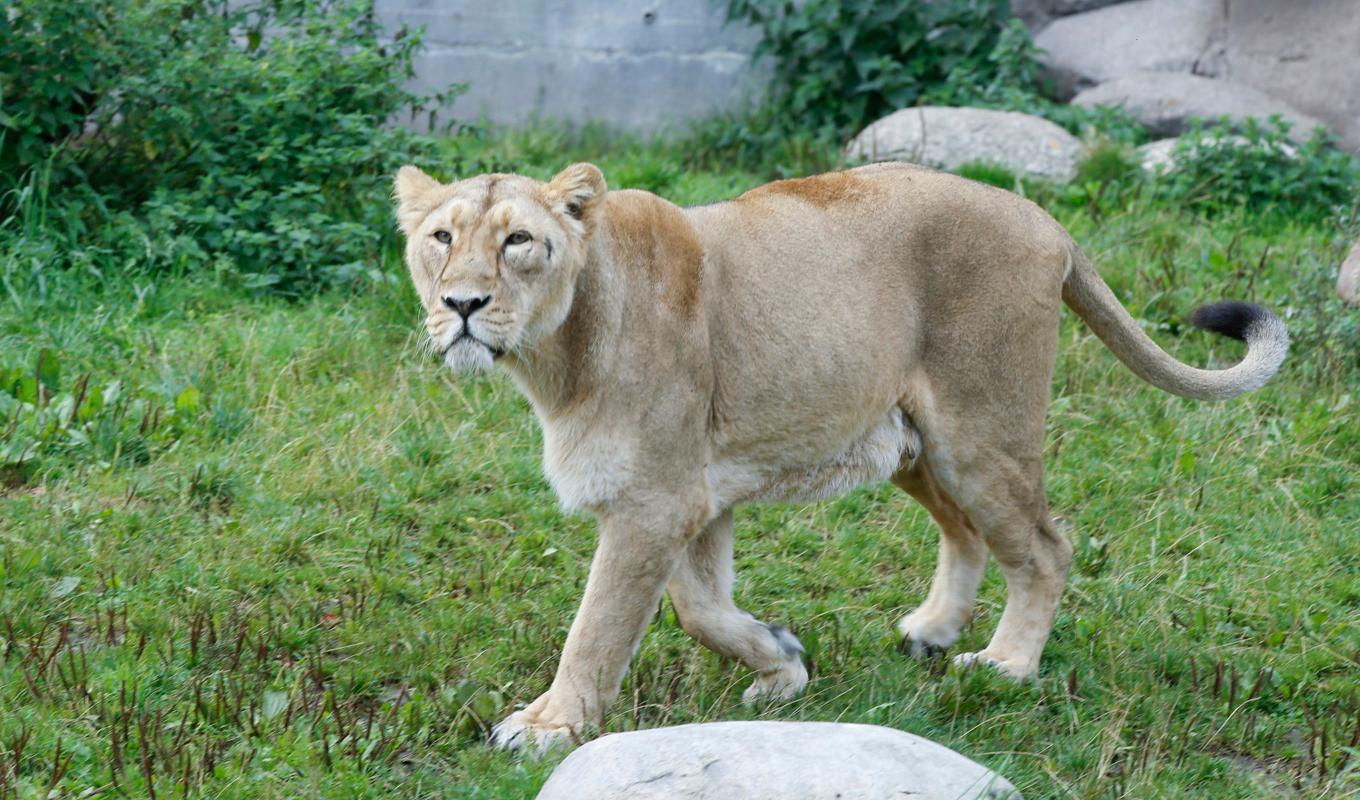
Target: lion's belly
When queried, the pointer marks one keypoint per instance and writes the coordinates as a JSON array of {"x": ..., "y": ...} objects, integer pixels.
[{"x": 873, "y": 457}]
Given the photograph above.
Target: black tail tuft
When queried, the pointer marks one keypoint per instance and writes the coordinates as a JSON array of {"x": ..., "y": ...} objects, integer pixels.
[{"x": 1230, "y": 318}]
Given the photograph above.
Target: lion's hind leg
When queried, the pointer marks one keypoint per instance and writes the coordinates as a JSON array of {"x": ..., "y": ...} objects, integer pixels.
[
  {"x": 701, "y": 589},
  {"x": 982, "y": 479},
  {"x": 1002, "y": 496},
  {"x": 935, "y": 625}
]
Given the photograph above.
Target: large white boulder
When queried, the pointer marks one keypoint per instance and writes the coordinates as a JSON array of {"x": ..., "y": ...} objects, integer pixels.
[
  {"x": 951, "y": 137},
  {"x": 771, "y": 761},
  {"x": 1166, "y": 103},
  {"x": 1146, "y": 35},
  {"x": 1306, "y": 52}
]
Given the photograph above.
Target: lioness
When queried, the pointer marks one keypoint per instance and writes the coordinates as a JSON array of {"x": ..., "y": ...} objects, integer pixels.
[{"x": 887, "y": 322}]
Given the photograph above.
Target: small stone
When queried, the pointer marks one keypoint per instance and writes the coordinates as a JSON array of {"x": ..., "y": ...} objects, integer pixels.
[
  {"x": 1348, "y": 282},
  {"x": 1167, "y": 103},
  {"x": 771, "y": 761},
  {"x": 952, "y": 137},
  {"x": 1157, "y": 157}
]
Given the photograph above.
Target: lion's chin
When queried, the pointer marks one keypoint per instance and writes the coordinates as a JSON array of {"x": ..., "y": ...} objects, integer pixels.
[{"x": 469, "y": 357}]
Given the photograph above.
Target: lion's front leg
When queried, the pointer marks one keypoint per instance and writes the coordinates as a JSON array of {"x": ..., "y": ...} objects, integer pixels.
[
  {"x": 632, "y": 562},
  {"x": 701, "y": 589}
]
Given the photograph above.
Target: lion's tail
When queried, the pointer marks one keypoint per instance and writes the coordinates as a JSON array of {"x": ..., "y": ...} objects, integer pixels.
[{"x": 1267, "y": 340}]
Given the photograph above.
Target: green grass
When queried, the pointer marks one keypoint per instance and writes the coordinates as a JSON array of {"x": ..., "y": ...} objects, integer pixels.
[{"x": 304, "y": 561}]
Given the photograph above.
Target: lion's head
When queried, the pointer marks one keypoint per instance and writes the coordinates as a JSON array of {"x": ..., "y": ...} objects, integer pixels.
[{"x": 495, "y": 258}]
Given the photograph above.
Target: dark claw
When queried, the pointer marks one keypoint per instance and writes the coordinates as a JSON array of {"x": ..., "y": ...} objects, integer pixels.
[
  {"x": 788, "y": 644},
  {"x": 925, "y": 651},
  {"x": 507, "y": 744}
]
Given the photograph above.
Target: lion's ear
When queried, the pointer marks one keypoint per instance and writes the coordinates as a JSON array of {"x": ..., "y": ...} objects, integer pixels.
[
  {"x": 576, "y": 192},
  {"x": 415, "y": 193}
]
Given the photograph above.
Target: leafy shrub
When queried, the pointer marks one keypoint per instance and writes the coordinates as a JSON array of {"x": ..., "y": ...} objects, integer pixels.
[
  {"x": 1095, "y": 123},
  {"x": 841, "y": 63},
  {"x": 1106, "y": 179},
  {"x": 993, "y": 174},
  {"x": 761, "y": 140},
  {"x": 40, "y": 420},
  {"x": 1256, "y": 167},
  {"x": 1109, "y": 163},
  {"x": 53, "y": 58},
  {"x": 251, "y": 137}
]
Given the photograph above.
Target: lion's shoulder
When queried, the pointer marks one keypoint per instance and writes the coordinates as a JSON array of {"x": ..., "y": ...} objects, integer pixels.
[{"x": 654, "y": 235}]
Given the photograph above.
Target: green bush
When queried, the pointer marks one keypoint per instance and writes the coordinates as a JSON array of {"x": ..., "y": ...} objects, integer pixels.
[
  {"x": 250, "y": 137},
  {"x": 839, "y": 64},
  {"x": 43, "y": 422},
  {"x": 1099, "y": 123},
  {"x": 996, "y": 175},
  {"x": 53, "y": 60},
  {"x": 761, "y": 140},
  {"x": 1257, "y": 168}
]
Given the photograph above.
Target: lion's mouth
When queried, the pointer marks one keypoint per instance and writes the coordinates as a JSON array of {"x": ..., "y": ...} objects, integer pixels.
[{"x": 496, "y": 352}]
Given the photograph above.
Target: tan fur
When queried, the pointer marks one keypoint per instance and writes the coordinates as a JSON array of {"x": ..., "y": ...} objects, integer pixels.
[
  {"x": 822, "y": 190},
  {"x": 653, "y": 237},
  {"x": 815, "y": 334}
]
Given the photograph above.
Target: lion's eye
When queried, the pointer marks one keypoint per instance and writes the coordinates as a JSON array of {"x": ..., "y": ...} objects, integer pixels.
[
  {"x": 443, "y": 237},
  {"x": 518, "y": 237}
]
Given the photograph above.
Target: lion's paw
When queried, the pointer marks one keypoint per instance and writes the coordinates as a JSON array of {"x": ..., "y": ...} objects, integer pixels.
[
  {"x": 1015, "y": 669},
  {"x": 523, "y": 731},
  {"x": 925, "y": 638},
  {"x": 784, "y": 683}
]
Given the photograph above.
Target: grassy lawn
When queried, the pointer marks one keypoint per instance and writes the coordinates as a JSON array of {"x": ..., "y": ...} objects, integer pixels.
[{"x": 276, "y": 551}]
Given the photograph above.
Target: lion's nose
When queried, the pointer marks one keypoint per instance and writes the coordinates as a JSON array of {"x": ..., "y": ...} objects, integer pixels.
[{"x": 466, "y": 306}]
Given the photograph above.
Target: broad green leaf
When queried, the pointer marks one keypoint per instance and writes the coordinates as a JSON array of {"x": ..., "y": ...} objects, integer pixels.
[
  {"x": 187, "y": 401},
  {"x": 64, "y": 586},
  {"x": 49, "y": 369},
  {"x": 274, "y": 704}
]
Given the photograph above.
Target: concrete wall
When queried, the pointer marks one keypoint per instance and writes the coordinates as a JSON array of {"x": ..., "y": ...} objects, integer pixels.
[{"x": 644, "y": 65}]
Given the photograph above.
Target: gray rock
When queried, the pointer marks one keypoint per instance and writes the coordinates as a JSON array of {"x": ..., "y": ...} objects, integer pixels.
[
  {"x": 1307, "y": 53},
  {"x": 771, "y": 761},
  {"x": 1348, "y": 282},
  {"x": 1160, "y": 156},
  {"x": 1147, "y": 35},
  {"x": 952, "y": 137},
  {"x": 1037, "y": 13},
  {"x": 1167, "y": 103},
  {"x": 1062, "y": 8}
]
